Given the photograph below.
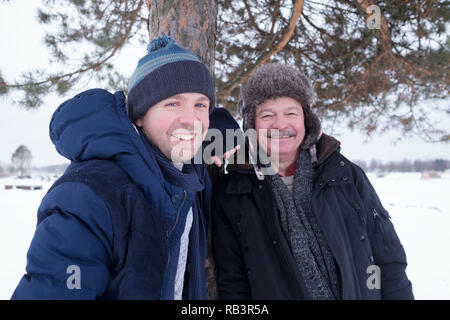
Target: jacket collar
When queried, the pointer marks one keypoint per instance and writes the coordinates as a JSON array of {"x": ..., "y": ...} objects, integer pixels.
[
  {"x": 332, "y": 170},
  {"x": 325, "y": 148}
]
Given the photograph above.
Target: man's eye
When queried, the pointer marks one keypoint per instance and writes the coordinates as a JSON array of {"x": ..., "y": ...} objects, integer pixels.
[
  {"x": 201, "y": 105},
  {"x": 266, "y": 116},
  {"x": 172, "y": 104}
]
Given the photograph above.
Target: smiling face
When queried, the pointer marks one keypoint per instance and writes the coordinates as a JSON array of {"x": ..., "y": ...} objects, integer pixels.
[
  {"x": 283, "y": 120},
  {"x": 177, "y": 125}
]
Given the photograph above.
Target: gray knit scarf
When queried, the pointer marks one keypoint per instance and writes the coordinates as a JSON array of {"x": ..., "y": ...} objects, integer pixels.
[{"x": 308, "y": 245}]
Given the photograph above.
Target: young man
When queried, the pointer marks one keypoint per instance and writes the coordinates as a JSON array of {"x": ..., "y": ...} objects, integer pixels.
[
  {"x": 315, "y": 229},
  {"x": 127, "y": 220}
]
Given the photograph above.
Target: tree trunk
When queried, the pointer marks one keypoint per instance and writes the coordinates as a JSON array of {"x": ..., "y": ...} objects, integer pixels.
[{"x": 192, "y": 23}]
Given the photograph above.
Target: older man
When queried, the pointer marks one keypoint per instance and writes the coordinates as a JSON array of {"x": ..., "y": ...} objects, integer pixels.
[{"x": 316, "y": 229}]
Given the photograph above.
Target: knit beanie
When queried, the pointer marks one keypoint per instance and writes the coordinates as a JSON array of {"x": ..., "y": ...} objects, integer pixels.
[
  {"x": 276, "y": 80},
  {"x": 166, "y": 70}
]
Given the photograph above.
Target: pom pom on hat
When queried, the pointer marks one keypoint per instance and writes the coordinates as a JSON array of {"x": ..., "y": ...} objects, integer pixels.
[
  {"x": 166, "y": 70},
  {"x": 159, "y": 43}
]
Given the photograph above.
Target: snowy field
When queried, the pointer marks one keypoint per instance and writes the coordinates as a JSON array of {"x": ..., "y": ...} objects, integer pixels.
[{"x": 420, "y": 211}]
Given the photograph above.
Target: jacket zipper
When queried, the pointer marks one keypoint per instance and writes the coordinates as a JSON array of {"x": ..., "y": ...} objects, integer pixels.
[
  {"x": 165, "y": 269},
  {"x": 178, "y": 214},
  {"x": 238, "y": 222},
  {"x": 170, "y": 232},
  {"x": 362, "y": 219}
]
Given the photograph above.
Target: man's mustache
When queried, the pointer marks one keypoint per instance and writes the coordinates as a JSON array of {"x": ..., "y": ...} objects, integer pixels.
[{"x": 281, "y": 133}]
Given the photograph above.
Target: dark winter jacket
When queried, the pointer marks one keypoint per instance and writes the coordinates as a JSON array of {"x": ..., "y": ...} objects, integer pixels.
[
  {"x": 253, "y": 256},
  {"x": 112, "y": 216}
]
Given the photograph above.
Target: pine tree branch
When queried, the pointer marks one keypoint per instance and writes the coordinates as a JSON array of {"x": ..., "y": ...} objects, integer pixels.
[
  {"x": 384, "y": 28},
  {"x": 252, "y": 19},
  {"x": 360, "y": 82},
  {"x": 247, "y": 70},
  {"x": 93, "y": 66}
]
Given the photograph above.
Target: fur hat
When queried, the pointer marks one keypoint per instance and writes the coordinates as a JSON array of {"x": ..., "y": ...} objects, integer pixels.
[{"x": 275, "y": 80}]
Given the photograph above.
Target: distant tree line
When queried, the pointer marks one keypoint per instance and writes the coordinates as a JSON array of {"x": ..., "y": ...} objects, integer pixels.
[
  {"x": 405, "y": 165},
  {"x": 20, "y": 165},
  {"x": 439, "y": 165}
]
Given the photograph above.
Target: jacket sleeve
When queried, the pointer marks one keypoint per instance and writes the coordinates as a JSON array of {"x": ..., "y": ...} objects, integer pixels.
[
  {"x": 231, "y": 271},
  {"x": 70, "y": 253},
  {"x": 388, "y": 252}
]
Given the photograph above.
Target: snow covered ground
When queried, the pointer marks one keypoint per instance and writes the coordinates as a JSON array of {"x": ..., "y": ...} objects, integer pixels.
[
  {"x": 18, "y": 210},
  {"x": 420, "y": 211}
]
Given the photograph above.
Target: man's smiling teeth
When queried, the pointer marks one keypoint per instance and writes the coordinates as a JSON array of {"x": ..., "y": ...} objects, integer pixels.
[
  {"x": 274, "y": 136},
  {"x": 185, "y": 137}
]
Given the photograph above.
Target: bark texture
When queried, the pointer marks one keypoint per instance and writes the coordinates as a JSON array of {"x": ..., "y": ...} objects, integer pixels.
[{"x": 192, "y": 23}]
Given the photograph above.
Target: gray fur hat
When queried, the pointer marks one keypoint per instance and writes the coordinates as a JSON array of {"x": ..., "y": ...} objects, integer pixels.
[{"x": 275, "y": 80}]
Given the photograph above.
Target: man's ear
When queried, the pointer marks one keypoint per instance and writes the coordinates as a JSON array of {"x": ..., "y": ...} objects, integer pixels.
[{"x": 139, "y": 123}]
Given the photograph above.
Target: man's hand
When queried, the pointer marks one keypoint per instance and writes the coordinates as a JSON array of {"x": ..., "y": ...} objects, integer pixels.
[{"x": 218, "y": 162}]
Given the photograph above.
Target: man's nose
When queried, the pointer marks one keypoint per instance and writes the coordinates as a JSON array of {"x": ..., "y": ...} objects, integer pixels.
[
  {"x": 188, "y": 117},
  {"x": 279, "y": 122}
]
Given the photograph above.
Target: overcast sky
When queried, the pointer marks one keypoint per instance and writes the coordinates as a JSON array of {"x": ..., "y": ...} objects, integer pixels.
[{"x": 22, "y": 49}]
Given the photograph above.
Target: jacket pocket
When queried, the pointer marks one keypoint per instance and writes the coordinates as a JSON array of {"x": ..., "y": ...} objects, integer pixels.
[{"x": 381, "y": 227}]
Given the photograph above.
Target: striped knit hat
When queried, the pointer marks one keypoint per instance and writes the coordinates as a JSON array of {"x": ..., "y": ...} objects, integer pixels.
[{"x": 166, "y": 70}]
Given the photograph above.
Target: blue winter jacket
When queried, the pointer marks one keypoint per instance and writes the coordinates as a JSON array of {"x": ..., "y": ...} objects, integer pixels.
[{"x": 110, "y": 227}]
